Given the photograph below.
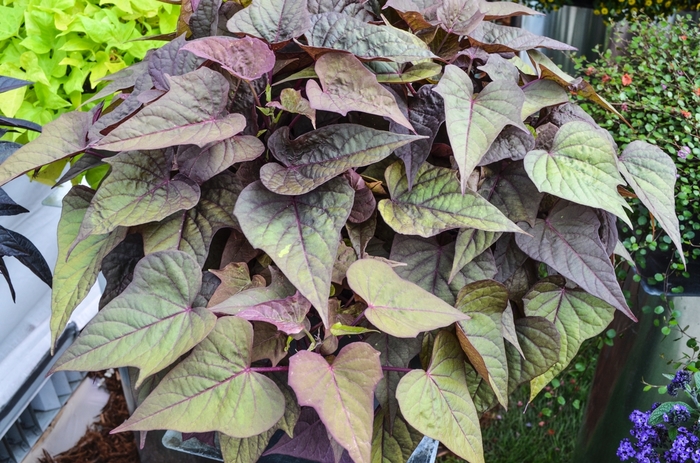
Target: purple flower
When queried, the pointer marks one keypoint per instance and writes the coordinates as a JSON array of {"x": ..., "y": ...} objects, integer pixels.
[
  {"x": 625, "y": 451},
  {"x": 624, "y": 107},
  {"x": 683, "y": 154},
  {"x": 682, "y": 378},
  {"x": 664, "y": 86}
]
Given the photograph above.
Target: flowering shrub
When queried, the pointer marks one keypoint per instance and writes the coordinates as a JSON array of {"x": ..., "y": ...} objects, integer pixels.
[
  {"x": 656, "y": 86},
  {"x": 669, "y": 431},
  {"x": 617, "y": 10},
  {"x": 318, "y": 204}
]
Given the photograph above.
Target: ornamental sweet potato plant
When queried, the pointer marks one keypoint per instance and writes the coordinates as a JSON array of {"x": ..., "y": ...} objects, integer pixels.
[{"x": 316, "y": 206}]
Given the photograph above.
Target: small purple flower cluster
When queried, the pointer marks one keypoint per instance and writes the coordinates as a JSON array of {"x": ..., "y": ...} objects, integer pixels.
[
  {"x": 677, "y": 415},
  {"x": 679, "y": 382},
  {"x": 648, "y": 440},
  {"x": 683, "y": 152}
]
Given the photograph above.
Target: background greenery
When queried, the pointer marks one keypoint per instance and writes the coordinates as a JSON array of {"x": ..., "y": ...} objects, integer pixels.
[
  {"x": 655, "y": 84},
  {"x": 66, "y": 46}
]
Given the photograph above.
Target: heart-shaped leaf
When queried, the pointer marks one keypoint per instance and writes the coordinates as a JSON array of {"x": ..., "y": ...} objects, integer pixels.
[
  {"x": 280, "y": 288},
  {"x": 336, "y": 31},
  {"x": 150, "y": 324},
  {"x": 427, "y": 113},
  {"x": 420, "y": 71},
  {"x": 581, "y": 166},
  {"x": 474, "y": 122},
  {"x": 365, "y": 204},
  {"x": 567, "y": 240},
  {"x": 274, "y": 21},
  {"x": 287, "y": 314},
  {"x": 511, "y": 143},
  {"x": 353, "y": 8},
  {"x": 64, "y": 137},
  {"x": 170, "y": 60},
  {"x": 396, "y": 306},
  {"x": 540, "y": 342},
  {"x": 437, "y": 402},
  {"x": 577, "y": 316},
  {"x": 234, "y": 277},
  {"x": 245, "y": 58},
  {"x": 192, "y": 230},
  {"x": 299, "y": 236},
  {"x": 187, "y": 114},
  {"x": 342, "y": 393},
  {"x": 75, "y": 274},
  {"x": 201, "y": 164},
  {"x": 459, "y": 17},
  {"x": 652, "y": 175},
  {"x": 138, "y": 190},
  {"x": 216, "y": 380},
  {"x": 438, "y": 205},
  {"x": 470, "y": 244},
  {"x": 317, "y": 156},
  {"x": 292, "y": 101},
  {"x": 360, "y": 234},
  {"x": 249, "y": 449},
  {"x": 429, "y": 264},
  {"x": 513, "y": 193},
  {"x": 495, "y": 38},
  {"x": 541, "y": 93},
  {"x": 349, "y": 86},
  {"x": 481, "y": 336},
  {"x": 394, "y": 352}
]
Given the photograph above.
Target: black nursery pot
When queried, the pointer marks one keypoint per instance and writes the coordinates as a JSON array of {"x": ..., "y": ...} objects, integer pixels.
[{"x": 641, "y": 353}]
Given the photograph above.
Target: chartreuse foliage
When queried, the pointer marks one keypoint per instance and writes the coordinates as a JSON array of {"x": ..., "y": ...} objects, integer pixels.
[{"x": 284, "y": 211}]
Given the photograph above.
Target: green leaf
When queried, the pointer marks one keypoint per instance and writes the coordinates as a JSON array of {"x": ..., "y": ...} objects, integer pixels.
[
  {"x": 64, "y": 137},
  {"x": 292, "y": 101},
  {"x": 396, "y": 306},
  {"x": 474, "y": 122},
  {"x": 499, "y": 68},
  {"x": 217, "y": 382},
  {"x": 495, "y": 38},
  {"x": 394, "y": 352},
  {"x": 540, "y": 94},
  {"x": 567, "y": 240},
  {"x": 349, "y": 86},
  {"x": 657, "y": 416},
  {"x": 360, "y": 234},
  {"x": 336, "y": 31},
  {"x": 481, "y": 337},
  {"x": 300, "y": 237},
  {"x": 275, "y": 21},
  {"x": 581, "y": 166},
  {"x": 435, "y": 204},
  {"x": 500, "y": 10},
  {"x": 201, "y": 164},
  {"x": 338, "y": 329},
  {"x": 540, "y": 342},
  {"x": 192, "y": 230},
  {"x": 470, "y": 244},
  {"x": 429, "y": 265},
  {"x": 652, "y": 175},
  {"x": 280, "y": 288},
  {"x": 234, "y": 278},
  {"x": 138, "y": 190},
  {"x": 437, "y": 402},
  {"x": 392, "y": 441},
  {"x": 418, "y": 72},
  {"x": 342, "y": 393},
  {"x": 314, "y": 158},
  {"x": 187, "y": 114},
  {"x": 577, "y": 316},
  {"x": 75, "y": 274},
  {"x": 245, "y": 58},
  {"x": 150, "y": 324}
]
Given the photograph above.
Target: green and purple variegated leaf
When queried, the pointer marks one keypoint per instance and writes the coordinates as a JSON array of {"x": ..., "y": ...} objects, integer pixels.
[
  {"x": 346, "y": 85},
  {"x": 274, "y": 21},
  {"x": 471, "y": 243},
  {"x": 474, "y": 122},
  {"x": 187, "y": 114},
  {"x": 513, "y": 193},
  {"x": 397, "y": 306},
  {"x": 279, "y": 288},
  {"x": 247, "y": 58},
  {"x": 287, "y": 314},
  {"x": 201, "y": 164},
  {"x": 292, "y": 101},
  {"x": 171, "y": 60},
  {"x": 301, "y": 238},
  {"x": 459, "y": 17},
  {"x": 213, "y": 389},
  {"x": 342, "y": 393},
  {"x": 495, "y": 38},
  {"x": 567, "y": 240},
  {"x": 540, "y": 342},
  {"x": 542, "y": 93},
  {"x": 150, "y": 324},
  {"x": 652, "y": 175},
  {"x": 437, "y": 402},
  {"x": 317, "y": 156},
  {"x": 436, "y": 204}
]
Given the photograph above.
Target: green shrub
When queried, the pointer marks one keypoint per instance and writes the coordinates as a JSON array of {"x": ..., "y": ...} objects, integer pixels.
[
  {"x": 617, "y": 10},
  {"x": 66, "y": 46},
  {"x": 655, "y": 84}
]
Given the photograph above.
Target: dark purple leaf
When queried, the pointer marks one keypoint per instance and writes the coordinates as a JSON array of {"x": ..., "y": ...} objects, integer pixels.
[
  {"x": 127, "y": 108},
  {"x": 85, "y": 163},
  {"x": 365, "y": 204},
  {"x": 204, "y": 19},
  {"x": 513, "y": 193},
  {"x": 545, "y": 136},
  {"x": 8, "y": 206},
  {"x": 360, "y": 234},
  {"x": 19, "y": 123},
  {"x": 10, "y": 83},
  {"x": 13, "y": 244},
  {"x": 171, "y": 60},
  {"x": 607, "y": 231},
  {"x": 6, "y": 274},
  {"x": 247, "y": 58},
  {"x": 512, "y": 143},
  {"x": 118, "y": 267}
]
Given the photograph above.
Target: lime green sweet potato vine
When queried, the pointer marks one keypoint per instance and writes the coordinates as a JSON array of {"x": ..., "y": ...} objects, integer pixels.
[{"x": 311, "y": 204}]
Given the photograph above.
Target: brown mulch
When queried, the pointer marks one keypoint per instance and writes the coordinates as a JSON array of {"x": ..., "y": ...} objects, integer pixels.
[{"x": 98, "y": 445}]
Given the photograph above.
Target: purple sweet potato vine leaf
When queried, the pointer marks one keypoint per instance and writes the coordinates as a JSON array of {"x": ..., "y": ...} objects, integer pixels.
[{"x": 286, "y": 222}]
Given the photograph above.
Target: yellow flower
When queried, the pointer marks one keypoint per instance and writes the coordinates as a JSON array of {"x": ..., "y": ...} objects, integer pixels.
[
  {"x": 596, "y": 12},
  {"x": 603, "y": 11},
  {"x": 633, "y": 11},
  {"x": 648, "y": 3},
  {"x": 668, "y": 4},
  {"x": 631, "y": 2}
]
